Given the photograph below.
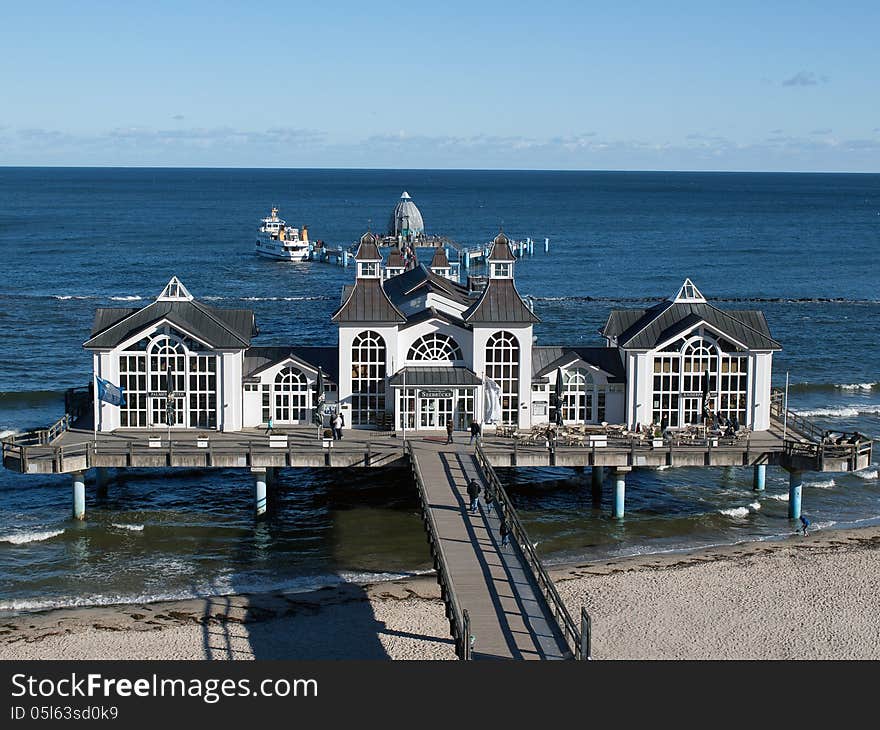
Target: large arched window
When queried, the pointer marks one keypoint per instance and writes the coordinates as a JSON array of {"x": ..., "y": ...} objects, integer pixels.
[
  {"x": 696, "y": 372},
  {"x": 368, "y": 362},
  {"x": 502, "y": 366},
  {"x": 435, "y": 347},
  {"x": 168, "y": 374},
  {"x": 291, "y": 396},
  {"x": 577, "y": 404}
]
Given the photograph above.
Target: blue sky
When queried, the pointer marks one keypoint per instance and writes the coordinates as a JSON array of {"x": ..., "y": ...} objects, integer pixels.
[{"x": 538, "y": 85}]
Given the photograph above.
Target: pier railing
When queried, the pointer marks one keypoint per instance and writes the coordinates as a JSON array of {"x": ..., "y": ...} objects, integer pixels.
[
  {"x": 42, "y": 436},
  {"x": 578, "y": 641},
  {"x": 791, "y": 420},
  {"x": 459, "y": 619}
]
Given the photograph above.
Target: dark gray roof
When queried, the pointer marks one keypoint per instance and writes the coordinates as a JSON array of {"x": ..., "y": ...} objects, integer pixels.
[
  {"x": 367, "y": 302},
  {"x": 419, "y": 282},
  {"x": 500, "y": 302},
  {"x": 431, "y": 313},
  {"x": 607, "y": 359},
  {"x": 501, "y": 249},
  {"x": 436, "y": 377},
  {"x": 220, "y": 328},
  {"x": 645, "y": 329},
  {"x": 257, "y": 359},
  {"x": 440, "y": 260}
]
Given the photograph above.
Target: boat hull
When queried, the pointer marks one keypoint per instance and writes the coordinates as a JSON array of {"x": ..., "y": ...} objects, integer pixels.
[{"x": 281, "y": 254}]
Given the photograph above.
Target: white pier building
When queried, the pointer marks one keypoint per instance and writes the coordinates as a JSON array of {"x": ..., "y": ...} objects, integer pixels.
[{"x": 416, "y": 349}]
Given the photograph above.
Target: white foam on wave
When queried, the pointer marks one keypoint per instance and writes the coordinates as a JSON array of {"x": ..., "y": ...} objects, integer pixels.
[
  {"x": 850, "y": 411},
  {"x": 8, "y": 432},
  {"x": 824, "y": 484},
  {"x": 65, "y": 297},
  {"x": 782, "y": 497},
  {"x": 857, "y": 386},
  {"x": 22, "y": 538},
  {"x": 869, "y": 473},
  {"x": 735, "y": 511},
  {"x": 130, "y": 298},
  {"x": 123, "y": 526},
  {"x": 221, "y": 586},
  {"x": 754, "y": 506}
]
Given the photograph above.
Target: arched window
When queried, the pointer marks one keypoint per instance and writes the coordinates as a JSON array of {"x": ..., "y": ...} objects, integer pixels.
[
  {"x": 167, "y": 358},
  {"x": 435, "y": 347},
  {"x": 502, "y": 366},
  {"x": 683, "y": 379},
  {"x": 291, "y": 396},
  {"x": 577, "y": 403},
  {"x": 368, "y": 362}
]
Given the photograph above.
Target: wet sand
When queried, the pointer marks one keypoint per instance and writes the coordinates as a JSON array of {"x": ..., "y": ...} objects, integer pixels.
[{"x": 809, "y": 597}]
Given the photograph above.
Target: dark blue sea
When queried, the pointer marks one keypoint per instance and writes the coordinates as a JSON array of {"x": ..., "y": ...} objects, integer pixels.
[{"x": 802, "y": 247}]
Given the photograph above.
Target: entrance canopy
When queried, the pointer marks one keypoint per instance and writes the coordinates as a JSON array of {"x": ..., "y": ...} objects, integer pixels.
[{"x": 435, "y": 377}]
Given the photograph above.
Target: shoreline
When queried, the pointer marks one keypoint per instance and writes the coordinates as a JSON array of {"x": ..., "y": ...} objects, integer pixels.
[{"x": 795, "y": 597}]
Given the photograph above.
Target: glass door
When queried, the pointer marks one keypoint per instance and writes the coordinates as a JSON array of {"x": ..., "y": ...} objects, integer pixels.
[
  {"x": 693, "y": 410},
  {"x": 434, "y": 413}
]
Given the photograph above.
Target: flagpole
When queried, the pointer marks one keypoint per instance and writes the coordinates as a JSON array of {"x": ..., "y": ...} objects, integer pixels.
[
  {"x": 785, "y": 409},
  {"x": 96, "y": 407},
  {"x": 403, "y": 409}
]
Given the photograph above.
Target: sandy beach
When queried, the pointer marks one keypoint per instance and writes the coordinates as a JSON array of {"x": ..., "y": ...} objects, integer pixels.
[{"x": 809, "y": 597}]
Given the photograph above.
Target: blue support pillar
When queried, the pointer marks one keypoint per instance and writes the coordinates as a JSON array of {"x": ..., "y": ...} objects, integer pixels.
[
  {"x": 795, "y": 485},
  {"x": 79, "y": 495},
  {"x": 760, "y": 478},
  {"x": 619, "y": 492},
  {"x": 260, "y": 488},
  {"x": 597, "y": 477}
]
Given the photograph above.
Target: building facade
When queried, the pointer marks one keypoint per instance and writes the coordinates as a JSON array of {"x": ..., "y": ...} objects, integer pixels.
[{"x": 417, "y": 350}]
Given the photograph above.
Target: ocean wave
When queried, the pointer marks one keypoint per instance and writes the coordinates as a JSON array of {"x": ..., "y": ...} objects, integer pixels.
[
  {"x": 129, "y": 298},
  {"x": 22, "y": 538},
  {"x": 734, "y": 300},
  {"x": 781, "y": 497},
  {"x": 830, "y": 387},
  {"x": 736, "y": 512},
  {"x": 6, "y": 432},
  {"x": 849, "y": 411},
  {"x": 123, "y": 526},
  {"x": 225, "y": 586},
  {"x": 824, "y": 484},
  {"x": 285, "y": 299},
  {"x": 65, "y": 297},
  {"x": 869, "y": 473},
  {"x": 30, "y": 397}
]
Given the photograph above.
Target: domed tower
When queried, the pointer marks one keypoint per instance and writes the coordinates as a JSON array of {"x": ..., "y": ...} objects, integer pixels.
[{"x": 406, "y": 220}]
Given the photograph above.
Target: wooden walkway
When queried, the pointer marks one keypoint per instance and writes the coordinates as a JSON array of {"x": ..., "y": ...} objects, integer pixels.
[{"x": 509, "y": 617}]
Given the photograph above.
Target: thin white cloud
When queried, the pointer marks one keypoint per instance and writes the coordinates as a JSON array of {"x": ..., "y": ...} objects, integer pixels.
[{"x": 805, "y": 78}]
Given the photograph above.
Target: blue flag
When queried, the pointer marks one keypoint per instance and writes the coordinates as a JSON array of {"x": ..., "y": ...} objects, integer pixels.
[{"x": 110, "y": 393}]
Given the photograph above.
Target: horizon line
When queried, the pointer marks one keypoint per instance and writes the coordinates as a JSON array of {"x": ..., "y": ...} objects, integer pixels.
[{"x": 437, "y": 169}]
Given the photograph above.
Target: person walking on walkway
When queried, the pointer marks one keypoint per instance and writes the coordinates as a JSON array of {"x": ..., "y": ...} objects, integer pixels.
[
  {"x": 489, "y": 498},
  {"x": 337, "y": 426},
  {"x": 475, "y": 432},
  {"x": 473, "y": 490},
  {"x": 450, "y": 426},
  {"x": 505, "y": 532}
]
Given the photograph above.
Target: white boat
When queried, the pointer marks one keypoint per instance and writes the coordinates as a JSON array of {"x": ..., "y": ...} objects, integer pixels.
[{"x": 277, "y": 240}]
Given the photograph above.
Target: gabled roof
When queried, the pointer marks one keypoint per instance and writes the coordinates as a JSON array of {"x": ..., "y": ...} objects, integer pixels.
[
  {"x": 607, "y": 359},
  {"x": 219, "y": 328},
  {"x": 258, "y": 359},
  {"x": 645, "y": 329},
  {"x": 430, "y": 313},
  {"x": 500, "y": 302},
  {"x": 367, "y": 302},
  {"x": 419, "y": 282}
]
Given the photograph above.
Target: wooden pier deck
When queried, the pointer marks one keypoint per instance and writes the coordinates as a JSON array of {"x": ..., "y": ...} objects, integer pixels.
[{"x": 509, "y": 617}]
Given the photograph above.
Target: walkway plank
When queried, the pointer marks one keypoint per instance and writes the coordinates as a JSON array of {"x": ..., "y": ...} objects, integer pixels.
[{"x": 509, "y": 617}]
